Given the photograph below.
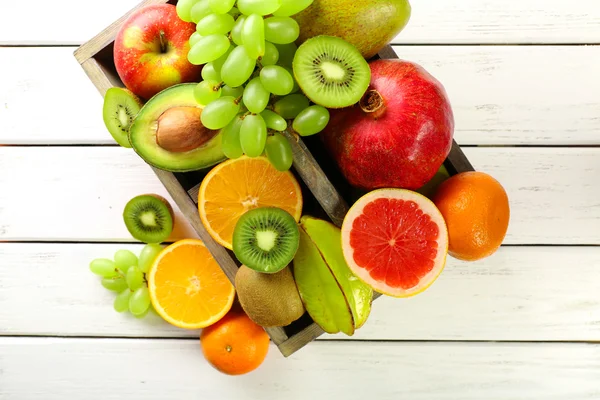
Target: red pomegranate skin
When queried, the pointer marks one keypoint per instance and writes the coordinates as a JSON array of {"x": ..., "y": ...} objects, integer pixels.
[{"x": 399, "y": 134}]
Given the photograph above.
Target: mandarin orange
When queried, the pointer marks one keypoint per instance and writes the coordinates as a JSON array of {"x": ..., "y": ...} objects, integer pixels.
[
  {"x": 477, "y": 213},
  {"x": 235, "y": 345}
]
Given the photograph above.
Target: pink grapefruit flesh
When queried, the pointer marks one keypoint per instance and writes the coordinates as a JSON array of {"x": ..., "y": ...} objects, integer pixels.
[{"x": 396, "y": 241}]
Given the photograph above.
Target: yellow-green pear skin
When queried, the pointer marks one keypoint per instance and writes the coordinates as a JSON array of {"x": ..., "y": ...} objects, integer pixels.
[
  {"x": 328, "y": 239},
  {"x": 320, "y": 292},
  {"x": 367, "y": 24},
  {"x": 269, "y": 299}
]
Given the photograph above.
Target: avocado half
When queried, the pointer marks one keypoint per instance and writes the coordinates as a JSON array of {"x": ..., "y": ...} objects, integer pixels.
[{"x": 168, "y": 134}]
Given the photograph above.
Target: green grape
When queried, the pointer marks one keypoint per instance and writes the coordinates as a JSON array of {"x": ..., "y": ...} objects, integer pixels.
[
  {"x": 195, "y": 38},
  {"x": 221, "y": 6},
  {"x": 253, "y": 135},
  {"x": 184, "y": 9},
  {"x": 296, "y": 86},
  {"x": 236, "y": 31},
  {"x": 229, "y": 91},
  {"x": 234, "y": 12},
  {"x": 207, "y": 92},
  {"x": 230, "y": 139},
  {"x": 274, "y": 121},
  {"x": 200, "y": 10},
  {"x": 286, "y": 54},
  {"x": 260, "y": 7},
  {"x": 292, "y": 7},
  {"x": 253, "y": 36},
  {"x": 277, "y": 80},
  {"x": 121, "y": 303},
  {"x": 142, "y": 315},
  {"x": 117, "y": 284},
  {"x": 311, "y": 120},
  {"x": 209, "y": 73},
  {"x": 256, "y": 97},
  {"x": 134, "y": 278},
  {"x": 220, "y": 112},
  {"x": 271, "y": 55},
  {"x": 215, "y": 23},
  {"x": 148, "y": 255},
  {"x": 279, "y": 152},
  {"x": 139, "y": 302},
  {"x": 104, "y": 267},
  {"x": 238, "y": 67},
  {"x": 290, "y": 106},
  {"x": 218, "y": 63},
  {"x": 208, "y": 49},
  {"x": 124, "y": 259},
  {"x": 281, "y": 30}
]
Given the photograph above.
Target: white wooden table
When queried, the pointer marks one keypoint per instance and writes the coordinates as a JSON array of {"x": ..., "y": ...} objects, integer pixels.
[{"x": 520, "y": 325}]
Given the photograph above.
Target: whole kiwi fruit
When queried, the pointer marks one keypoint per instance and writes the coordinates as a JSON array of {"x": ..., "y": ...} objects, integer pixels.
[{"x": 269, "y": 299}]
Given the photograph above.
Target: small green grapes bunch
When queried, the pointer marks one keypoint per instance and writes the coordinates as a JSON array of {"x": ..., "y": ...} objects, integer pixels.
[
  {"x": 248, "y": 89},
  {"x": 126, "y": 275}
]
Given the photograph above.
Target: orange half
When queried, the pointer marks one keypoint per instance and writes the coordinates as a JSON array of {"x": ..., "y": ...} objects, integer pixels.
[
  {"x": 236, "y": 186},
  {"x": 187, "y": 287}
]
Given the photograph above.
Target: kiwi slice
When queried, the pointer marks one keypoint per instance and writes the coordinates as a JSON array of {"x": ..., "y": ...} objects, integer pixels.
[
  {"x": 120, "y": 109},
  {"x": 266, "y": 239},
  {"x": 331, "y": 72},
  {"x": 149, "y": 218}
]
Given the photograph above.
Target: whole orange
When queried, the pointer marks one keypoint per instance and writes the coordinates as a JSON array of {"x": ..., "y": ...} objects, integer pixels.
[
  {"x": 476, "y": 209},
  {"x": 235, "y": 345}
]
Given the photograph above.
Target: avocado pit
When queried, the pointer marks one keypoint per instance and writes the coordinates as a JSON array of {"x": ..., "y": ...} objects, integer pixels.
[{"x": 180, "y": 130}]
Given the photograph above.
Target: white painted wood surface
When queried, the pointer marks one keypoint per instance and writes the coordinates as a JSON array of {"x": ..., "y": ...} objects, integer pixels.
[
  {"x": 57, "y": 369},
  {"x": 79, "y": 193},
  {"x": 500, "y": 95},
  {"x": 493, "y": 299},
  {"x": 433, "y": 21},
  {"x": 528, "y": 293}
]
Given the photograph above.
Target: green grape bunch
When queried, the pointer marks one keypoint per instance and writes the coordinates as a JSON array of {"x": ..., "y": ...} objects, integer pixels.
[
  {"x": 248, "y": 89},
  {"x": 125, "y": 274}
]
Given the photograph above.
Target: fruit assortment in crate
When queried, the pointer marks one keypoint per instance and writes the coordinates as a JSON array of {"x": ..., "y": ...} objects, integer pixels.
[{"x": 317, "y": 168}]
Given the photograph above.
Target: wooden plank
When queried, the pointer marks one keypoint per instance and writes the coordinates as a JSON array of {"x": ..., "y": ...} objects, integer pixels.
[
  {"x": 167, "y": 369},
  {"x": 554, "y": 198},
  {"x": 433, "y": 21},
  {"x": 519, "y": 294},
  {"x": 500, "y": 95}
]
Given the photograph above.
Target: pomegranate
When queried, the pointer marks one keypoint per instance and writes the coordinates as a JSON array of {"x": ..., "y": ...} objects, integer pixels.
[{"x": 398, "y": 135}]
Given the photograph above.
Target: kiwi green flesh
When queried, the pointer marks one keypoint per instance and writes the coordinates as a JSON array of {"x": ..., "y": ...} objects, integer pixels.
[
  {"x": 142, "y": 134},
  {"x": 148, "y": 219},
  {"x": 119, "y": 111},
  {"x": 266, "y": 239},
  {"x": 331, "y": 72}
]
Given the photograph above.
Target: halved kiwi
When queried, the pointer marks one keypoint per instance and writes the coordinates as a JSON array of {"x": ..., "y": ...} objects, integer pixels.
[
  {"x": 266, "y": 239},
  {"x": 331, "y": 72},
  {"x": 120, "y": 109},
  {"x": 149, "y": 218}
]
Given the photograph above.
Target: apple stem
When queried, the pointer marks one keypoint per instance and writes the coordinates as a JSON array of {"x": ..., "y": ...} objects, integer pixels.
[
  {"x": 372, "y": 103},
  {"x": 163, "y": 42}
]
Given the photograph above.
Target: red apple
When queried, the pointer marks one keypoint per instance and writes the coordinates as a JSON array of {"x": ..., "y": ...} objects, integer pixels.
[
  {"x": 398, "y": 135},
  {"x": 151, "y": 51}
]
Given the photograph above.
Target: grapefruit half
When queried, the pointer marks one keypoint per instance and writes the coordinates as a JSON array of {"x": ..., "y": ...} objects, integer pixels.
[{"x": 396, "y": 241}]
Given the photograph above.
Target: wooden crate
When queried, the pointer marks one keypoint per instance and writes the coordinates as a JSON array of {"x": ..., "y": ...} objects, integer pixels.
[{"x": 326, "y": 192}]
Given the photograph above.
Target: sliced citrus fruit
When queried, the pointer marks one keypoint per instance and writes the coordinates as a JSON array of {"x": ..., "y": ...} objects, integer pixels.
[
  {"x": 187, "y": 286},
  {"x": 236, "y": 186},
  {"x": 396, "y": 241}
]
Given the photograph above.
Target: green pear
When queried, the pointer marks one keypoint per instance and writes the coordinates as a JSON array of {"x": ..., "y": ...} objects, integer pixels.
[
  {"x": 328, "y": 239},
  {"x": 319, "y": 291},
  {"x": 367, "y": 24}
]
